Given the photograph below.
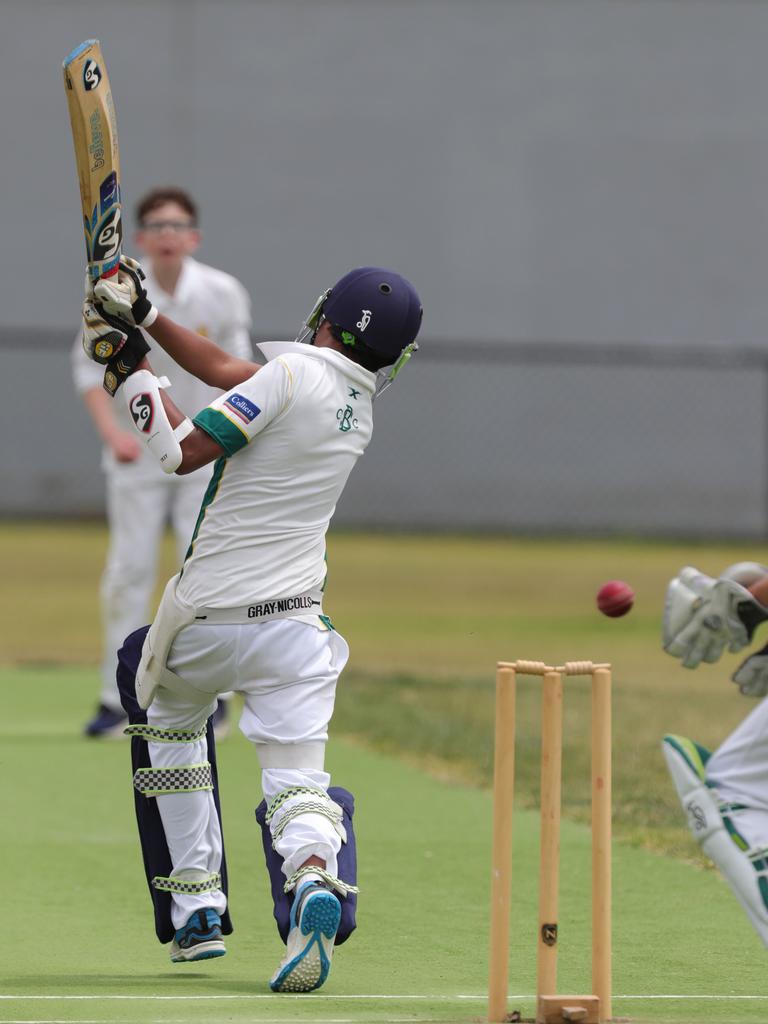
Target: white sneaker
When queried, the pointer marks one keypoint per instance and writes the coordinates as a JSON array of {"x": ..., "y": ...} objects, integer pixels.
[
  {"x": 315, "y": 916},
  {"x": 711, "y": 821}
]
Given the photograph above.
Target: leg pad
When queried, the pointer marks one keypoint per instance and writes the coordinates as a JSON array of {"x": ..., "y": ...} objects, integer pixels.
[
  {"x": 347, "y": 869},
  {"x": 154, "y": 848}
]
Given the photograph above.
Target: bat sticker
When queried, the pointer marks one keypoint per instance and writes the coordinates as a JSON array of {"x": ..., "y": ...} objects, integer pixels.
[
  {"x": 91, "y": 75},
  {"x": 108, "y": 237},
  {"x": 109, "y": 191}
]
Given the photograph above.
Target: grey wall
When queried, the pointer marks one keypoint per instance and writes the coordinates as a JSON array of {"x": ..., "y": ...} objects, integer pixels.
[
  {"x": 488, "y": 436},
  {"x": 588, "y": 169},
  {"x": 558, "y": 170}
]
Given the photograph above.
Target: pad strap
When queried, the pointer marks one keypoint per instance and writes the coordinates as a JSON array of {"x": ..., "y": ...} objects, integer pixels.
[
  {"x": 327, "y": 877},
  {"x": 157, "y": 735},
  {"x": 183, "y": 885},
  {"x": 186, "y": 778},
  {"x": 317, "y": 802}
]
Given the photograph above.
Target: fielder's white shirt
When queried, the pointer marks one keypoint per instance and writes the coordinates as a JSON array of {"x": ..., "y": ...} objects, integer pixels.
[
  {"x": 292, "y": 434},
  {"x": 207, "y": 301}
]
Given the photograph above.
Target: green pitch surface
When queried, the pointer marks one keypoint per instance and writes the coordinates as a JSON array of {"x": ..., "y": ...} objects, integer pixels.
[{"x": 78, "y": 940}]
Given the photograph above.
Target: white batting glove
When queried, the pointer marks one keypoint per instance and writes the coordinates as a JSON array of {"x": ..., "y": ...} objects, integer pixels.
[
  {"x": 703, "y": 616},
  {"x": 124, "y": 296},
  {"x": 101, "y": 340},
  {"x": 751, "y": 676}
]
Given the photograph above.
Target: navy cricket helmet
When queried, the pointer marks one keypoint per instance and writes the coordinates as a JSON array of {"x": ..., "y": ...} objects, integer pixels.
[
  {"x": 375, "y": 311},
  {"x": 379, "y": 308}
]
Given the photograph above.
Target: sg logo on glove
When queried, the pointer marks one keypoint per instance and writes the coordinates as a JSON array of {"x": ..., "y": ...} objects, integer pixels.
[{"x": 142, "y": 411}]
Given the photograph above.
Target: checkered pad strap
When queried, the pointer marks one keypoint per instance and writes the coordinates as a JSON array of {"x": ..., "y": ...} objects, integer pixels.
[
  {"x": 186, "y": 778},
  {"x": 209, "y": 883},
  {"x": 288, "y": 794},
  {"x": 330, "y": 880},
  {"x": 152, "y": 732},
  {"x": 317, "y": 802}
]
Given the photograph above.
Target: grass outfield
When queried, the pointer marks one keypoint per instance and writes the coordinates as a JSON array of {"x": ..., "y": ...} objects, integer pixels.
[
  {"x": 427, "y": 618},
  {"x": 80, "y": 945}
]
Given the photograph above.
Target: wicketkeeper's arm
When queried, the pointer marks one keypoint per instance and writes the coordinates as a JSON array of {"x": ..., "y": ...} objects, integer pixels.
[
  {"x": 759, "y": 590},
  {"x": 200, "y": 356}
]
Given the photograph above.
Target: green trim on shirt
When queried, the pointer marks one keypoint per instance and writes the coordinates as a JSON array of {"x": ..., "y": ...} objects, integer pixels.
[
  {"x": 210, "y": 493},
  {"x": 222, "y": 429}
]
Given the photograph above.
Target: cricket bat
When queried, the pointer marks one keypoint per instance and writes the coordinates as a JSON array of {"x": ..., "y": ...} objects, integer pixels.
[{"x": 94, "y": 132}]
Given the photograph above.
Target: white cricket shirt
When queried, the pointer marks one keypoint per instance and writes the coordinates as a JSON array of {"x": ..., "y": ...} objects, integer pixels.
[
  {"x": 292, "y": 434},
  {"x": 206, "y": 301}
]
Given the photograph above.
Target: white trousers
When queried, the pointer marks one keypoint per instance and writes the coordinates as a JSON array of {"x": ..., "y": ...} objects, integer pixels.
[
  {"x": 739, "y": 770},
  {"x": 137, "y": 511},
  {"x": 286, "y": 671}
]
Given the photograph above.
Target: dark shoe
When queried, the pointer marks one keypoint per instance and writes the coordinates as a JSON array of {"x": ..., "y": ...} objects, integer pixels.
[
  {"x": 199, "y": 939},
  {"x": 106, "y": 723}
]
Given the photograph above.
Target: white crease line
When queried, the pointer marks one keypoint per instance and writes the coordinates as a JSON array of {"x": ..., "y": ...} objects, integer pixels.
[{"x": 283, "y": 996}]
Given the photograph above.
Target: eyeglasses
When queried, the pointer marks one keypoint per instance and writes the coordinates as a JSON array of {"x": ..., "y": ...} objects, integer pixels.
[{"x": 156, "y": 227}]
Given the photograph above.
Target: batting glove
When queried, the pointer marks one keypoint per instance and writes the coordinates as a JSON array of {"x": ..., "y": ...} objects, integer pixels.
[
  {"x": 703, "y": 616},
  {"x": 751, "y": 676},
  {"x": 101, "y": 340},
  {"x": 119, "y": 347},
  {"x": 124, "y": 296}
]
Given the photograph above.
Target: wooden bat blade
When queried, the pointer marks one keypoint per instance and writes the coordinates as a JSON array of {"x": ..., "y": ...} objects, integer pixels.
[{"x": 94, "y": 133}]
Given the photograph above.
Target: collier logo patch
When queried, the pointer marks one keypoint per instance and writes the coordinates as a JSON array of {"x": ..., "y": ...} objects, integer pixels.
[{"x": 242, "y": 407}]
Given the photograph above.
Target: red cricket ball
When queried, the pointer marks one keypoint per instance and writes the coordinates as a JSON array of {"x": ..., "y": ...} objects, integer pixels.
[{"x": 615, "y": 598}]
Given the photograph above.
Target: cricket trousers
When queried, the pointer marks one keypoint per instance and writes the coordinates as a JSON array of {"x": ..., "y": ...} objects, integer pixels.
[{"x": 286, "y": 671}]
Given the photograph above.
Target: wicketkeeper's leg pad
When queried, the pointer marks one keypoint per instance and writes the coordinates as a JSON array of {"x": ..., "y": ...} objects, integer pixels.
[
  {"x": 157, "y": 859},
  {"x": 346, "y": 867}
]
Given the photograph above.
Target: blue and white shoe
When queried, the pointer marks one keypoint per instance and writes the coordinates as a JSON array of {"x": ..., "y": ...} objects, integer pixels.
[
  {"x": 199, "y": 939},
  {"x": 713, "y": 824},
  {"x": 315, "y": 917}
]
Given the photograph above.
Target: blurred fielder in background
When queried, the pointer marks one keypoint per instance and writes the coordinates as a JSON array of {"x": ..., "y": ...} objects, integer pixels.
[
  {"x": 245, "y": 613},
  {"x": 725, "y": 792},
  {"x": 141, "y": 499}
]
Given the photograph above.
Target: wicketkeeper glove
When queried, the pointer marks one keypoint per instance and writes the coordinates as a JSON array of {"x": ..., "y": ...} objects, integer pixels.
[
  {"x": 703, "y": 616},
  {"x": 751, "y": 676},
  {"x": 114, "y": 344},
  {"x": 123, "y": 294}
]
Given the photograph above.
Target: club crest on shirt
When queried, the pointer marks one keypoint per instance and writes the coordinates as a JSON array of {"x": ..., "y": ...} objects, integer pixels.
[{"x": 242, "y": 407}]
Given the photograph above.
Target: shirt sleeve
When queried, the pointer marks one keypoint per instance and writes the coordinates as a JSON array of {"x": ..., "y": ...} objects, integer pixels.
[{"x": 235, "y": 418}]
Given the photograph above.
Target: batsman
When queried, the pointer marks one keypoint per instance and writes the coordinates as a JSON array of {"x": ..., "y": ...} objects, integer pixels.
[{"x": 245, "y": 613}]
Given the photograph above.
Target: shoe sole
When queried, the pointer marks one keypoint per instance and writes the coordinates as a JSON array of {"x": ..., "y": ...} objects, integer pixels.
[
  {"x": 202, "y": 951},
  {"x": 309, "y": 969}
]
